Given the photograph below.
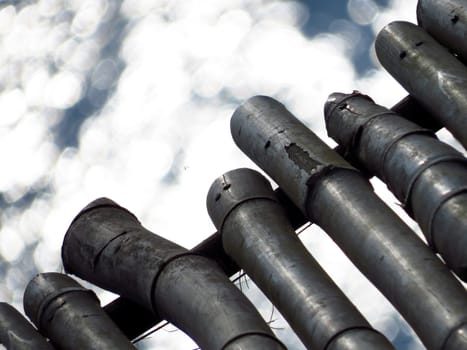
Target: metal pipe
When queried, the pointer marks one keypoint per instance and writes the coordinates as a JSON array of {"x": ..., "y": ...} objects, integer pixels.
[
  {"x": 211, "y": 247},
  {"x": 70, "y": 315},
  {"x": 428, "y": 72},
  {"x": 133, "y": 319},
  {"x": 16, "y": 333},
  {"x": 258, "y": 236},
  {"x": 340, "y": 200},
  {"x": 446, "y": 21},
  {"x": 106, "y": 245},
  {"x": 426, "y": 175}
]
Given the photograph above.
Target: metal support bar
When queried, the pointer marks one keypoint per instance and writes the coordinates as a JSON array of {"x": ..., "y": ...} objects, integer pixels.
[
  {"x": 426, "y": 175},
  {"x": 340, "y": 200},
  {"x": 106, "y": 245},
  {"x": 257, "y": 235},
  {"x": 428, "y": 71},
  {"x": 16, "y": 333},
  {"x": 70, "y": 315}
]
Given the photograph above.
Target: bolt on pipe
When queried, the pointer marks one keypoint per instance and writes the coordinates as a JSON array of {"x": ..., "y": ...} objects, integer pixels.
[
  {"x": 426, "y": 175},
  {"x": 341, "y": 201},
  {"x": 16, "y": 333},
  {"x": 257, "y": 235},
  {"x": 107, "y": 245},
  {"x": 428, "y": 71},
  {"x": 70, "y": 315}
]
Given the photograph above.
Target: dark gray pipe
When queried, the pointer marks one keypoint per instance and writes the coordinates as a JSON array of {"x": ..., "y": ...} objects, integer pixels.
[
  {"x": 446, "y": 21},
  {"x": 257, "y": 235},
  {"x": 106, "y": 245},
  {"x": 428, "y": 71},
  {"x": 70, "y": 315},
  {"x": 426, "y": 175},
  {"x": 341, "y": 201},
  {"x": 16, "y": 333}
]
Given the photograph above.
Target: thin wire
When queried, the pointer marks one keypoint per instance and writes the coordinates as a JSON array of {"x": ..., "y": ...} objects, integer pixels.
[{"x": 151, "y": 331}]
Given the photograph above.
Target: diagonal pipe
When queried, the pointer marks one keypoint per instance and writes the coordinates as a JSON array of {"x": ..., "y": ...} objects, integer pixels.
[
  {"x": 70, "y": 315},
  {"x": 133, "y": 319},
  {"x": 16, "y": 333},
  {"x": 106, "y": 245},
  {"x": 340, "y": 200},
  {"x": 256, "y": 233},
  {"x": 446, "y": 21},
  {"x": 428, "y": 71},
  {"x": 426, "y": 175}
]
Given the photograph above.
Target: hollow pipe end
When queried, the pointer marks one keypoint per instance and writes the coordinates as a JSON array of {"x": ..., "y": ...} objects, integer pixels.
[
  {"x": 74, "y": 237},
  {"x": 233, "y": 188},
  {"x": 332, "y": 102},
  {"x": 249, "y": 109},
  {"x": 99, "y": 203},
  {"x": 43, "y": 289},
  {"x": 337, "y": 100}
]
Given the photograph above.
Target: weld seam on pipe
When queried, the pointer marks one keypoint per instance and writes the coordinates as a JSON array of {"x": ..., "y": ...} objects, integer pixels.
[
  {"x": 345, "y": 330},
  {"x": 419, "y": 172},
  {"x": 230, "y": 210},
  {"x": 159, "y": 272},
  {"x": 50, "y": 298},
  {"x": 247, "y": 334},
  {"x": 96, "y": 258},
  {"x": 356, "y": 136},
  {"x": 393, "y": 143},
  {"x": 442, "y": 201}
]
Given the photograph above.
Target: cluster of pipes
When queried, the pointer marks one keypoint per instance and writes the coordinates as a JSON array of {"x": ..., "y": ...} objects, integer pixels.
[{"x": 160, "y": 280}]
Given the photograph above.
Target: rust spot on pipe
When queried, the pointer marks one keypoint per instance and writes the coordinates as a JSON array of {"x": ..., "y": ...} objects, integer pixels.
[{"x": 301, "y": 157}]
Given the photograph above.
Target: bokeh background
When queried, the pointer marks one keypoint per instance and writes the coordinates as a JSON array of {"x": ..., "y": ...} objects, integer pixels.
[{"x": 132, "y": 100}]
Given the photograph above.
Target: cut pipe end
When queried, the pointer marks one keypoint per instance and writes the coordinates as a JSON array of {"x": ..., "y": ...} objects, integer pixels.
[
  {"x": 248, "y": 109},
  {"x": 338, "y": 99},
  {"x": 233, "y": 188},
  {"x": 100, "y": 203},
  {"x": 333, "y": 101}
]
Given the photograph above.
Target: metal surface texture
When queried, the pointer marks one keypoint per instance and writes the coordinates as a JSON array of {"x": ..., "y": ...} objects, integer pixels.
[
  {"x": 134, "y": 319},
  {"x": 343, "y": 203},
  {"x": 16, "y": 333},
  {"x": 70, "y": 315},
  {"x": 446, "y": 21},
  {"x": 417, "y": 62},
  {"x": 258, "y": 236},
  {"x": 107, "y": 245},
  {"x": 425, "y": 174}
]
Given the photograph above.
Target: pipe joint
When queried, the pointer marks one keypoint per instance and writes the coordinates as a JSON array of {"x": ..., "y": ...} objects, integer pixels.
[{"x": 233, "y": 189}]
